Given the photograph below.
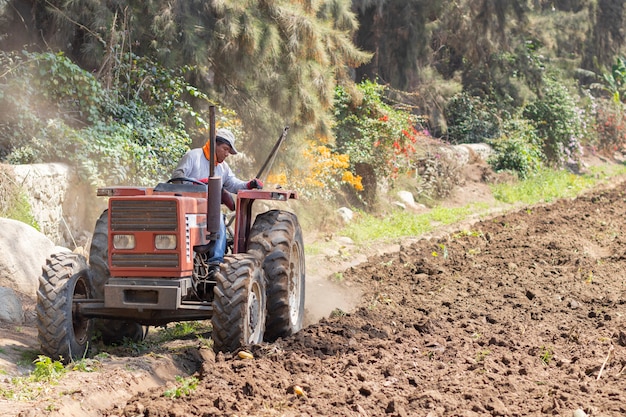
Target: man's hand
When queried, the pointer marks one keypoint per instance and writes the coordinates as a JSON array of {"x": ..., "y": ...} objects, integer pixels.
[{"x": 255, "y": 183}]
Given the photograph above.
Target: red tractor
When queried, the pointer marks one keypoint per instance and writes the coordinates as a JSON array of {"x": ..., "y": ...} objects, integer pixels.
[{"x": 148, "y": 267}]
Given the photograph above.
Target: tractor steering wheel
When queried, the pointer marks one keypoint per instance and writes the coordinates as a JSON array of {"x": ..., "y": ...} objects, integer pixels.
[{"x": 191, "y": 180}]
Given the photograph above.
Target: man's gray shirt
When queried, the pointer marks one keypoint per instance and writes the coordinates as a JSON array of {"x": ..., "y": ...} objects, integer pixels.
[{"x": 195, "y": 165}]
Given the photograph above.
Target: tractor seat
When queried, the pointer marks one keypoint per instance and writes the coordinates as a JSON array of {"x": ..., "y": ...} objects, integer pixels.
[{"x": 165, "y": 187}]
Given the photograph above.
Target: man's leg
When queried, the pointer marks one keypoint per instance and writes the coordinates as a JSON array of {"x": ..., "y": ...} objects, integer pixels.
[{"x": 219, "y": 248}]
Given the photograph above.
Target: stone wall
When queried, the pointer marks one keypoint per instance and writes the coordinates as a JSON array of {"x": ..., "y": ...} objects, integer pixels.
[{"x": 65, "y": 208}]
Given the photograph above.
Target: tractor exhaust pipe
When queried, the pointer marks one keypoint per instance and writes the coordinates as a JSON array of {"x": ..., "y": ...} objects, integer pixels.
[{"x": 214, "y": 192}]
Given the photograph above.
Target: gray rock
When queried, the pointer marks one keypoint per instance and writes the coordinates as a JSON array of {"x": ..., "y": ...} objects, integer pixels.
[
  {"x": 406, "y": 197},
  {"x": 11, "y": 310},
  {"x": 407, "y": 201},
  {"x": 346, "y": 214},
  {"x": 23, "y": 252}
]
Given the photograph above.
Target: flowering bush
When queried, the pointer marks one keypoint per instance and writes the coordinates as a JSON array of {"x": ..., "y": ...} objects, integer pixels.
[
  {"x": 374, "y": 133},
  {"x": 321, "y": 173},
  {"x": 610, "y": 126}
]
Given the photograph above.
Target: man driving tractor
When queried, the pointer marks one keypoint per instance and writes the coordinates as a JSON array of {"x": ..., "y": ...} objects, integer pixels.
[{"x": 195, "y": 164}]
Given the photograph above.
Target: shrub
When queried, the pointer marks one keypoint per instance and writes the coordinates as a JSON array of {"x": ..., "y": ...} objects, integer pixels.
[
  {"x": 518, "y": 149},
  {"x": 322, "y": 171},
  {"x": 134, "y": 133},
  {"x": 471, "y": 119},
  {"x": 558, "y": 122},
  {"x": 610, "y": 126},
  {"x": 371, "y": 131},
  {"x": 13, "y": 200}
]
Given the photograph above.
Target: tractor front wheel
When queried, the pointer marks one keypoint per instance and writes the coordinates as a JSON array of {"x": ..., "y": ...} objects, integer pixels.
[
  {"x": 277, "y": 235},
  {"x": 239, "y": 303},
  {"x": 64, "y": 333}
]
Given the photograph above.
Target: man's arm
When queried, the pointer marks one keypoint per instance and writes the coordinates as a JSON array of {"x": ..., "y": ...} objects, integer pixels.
[{"x": 229, "y": 181}]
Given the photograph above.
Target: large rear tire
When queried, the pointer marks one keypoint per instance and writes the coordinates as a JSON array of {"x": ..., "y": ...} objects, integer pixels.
[
  {"x": 64, "y": 334},
  {"x": 110, "y": 331},
  {"x": 239, "y": 303},
  {"x": 277, "y": 235}
]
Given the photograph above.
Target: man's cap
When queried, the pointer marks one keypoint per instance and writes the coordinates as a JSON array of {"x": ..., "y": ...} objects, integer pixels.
[{"x": 226, "y": 136}]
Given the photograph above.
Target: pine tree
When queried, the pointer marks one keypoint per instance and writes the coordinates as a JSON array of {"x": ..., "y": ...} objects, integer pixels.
[{"x": 273, "y": 61}]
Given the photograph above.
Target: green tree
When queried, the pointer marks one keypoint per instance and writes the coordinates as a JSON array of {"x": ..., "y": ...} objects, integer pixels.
[
  {"x": 273, "y": 61},
  {"x": 398, "y": 32},
  {"x": 607, "y": 34}
]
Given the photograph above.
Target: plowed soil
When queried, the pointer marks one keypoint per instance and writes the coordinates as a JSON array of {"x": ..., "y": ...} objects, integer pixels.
[{"x": 520, "y": 314}]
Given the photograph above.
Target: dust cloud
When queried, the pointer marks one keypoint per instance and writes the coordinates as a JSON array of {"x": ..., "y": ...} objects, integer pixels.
[{"x": 324, "y": 295}]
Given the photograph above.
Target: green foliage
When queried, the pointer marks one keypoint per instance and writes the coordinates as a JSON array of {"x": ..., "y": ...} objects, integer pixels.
[
  {"x": 13, "y": 201},
  {"x": 86, "y": 365},
  {"x": 517, "y": 150},
  {"x": 471, "y": 119},
  {"x": 75, "y": 94},
  {"x": 482, "y": 354},
  {"x": 134, "y": 134},
  {"x": 45, "y": 373},
  {"x": 47, "y": 370},
  {"x": 271, "y": 61},
  {"x": 183, "y": 329},
  {"x": 559, "y": 123},
  {"x": 372, "y": 132},
  {"x": 615, "y": 80},
  {"x": 546, "y": 355},
  {"x": 184, "y": 388}
]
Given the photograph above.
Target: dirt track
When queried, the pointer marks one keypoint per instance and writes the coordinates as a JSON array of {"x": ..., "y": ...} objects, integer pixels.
[{"x": 522, "y": 314}]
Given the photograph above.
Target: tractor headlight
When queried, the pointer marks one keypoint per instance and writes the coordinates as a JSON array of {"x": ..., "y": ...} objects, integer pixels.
[
  {"x": 165, "y": 241},
  {"x": 124, "y": 241}
]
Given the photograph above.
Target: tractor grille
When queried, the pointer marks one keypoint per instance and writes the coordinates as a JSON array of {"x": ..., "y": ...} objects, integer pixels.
[
  {"x": 143, "y": 215},
  {"x": 145, "y": 260}
]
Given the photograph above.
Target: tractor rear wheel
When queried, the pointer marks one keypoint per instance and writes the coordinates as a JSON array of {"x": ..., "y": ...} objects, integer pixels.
[
  {"x": 64, "y": 333},
  {"x": 239, "y": 303},
  {"x": 110, "y": 331},
  {"x": 277, "y": 235}
]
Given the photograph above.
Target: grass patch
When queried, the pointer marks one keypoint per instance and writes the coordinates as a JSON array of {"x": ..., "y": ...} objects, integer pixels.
[
  {"x": 46, "y": 373},
  {"x": 182, "y": 330},
  {"x": 313, "y": 249},
  {"x": 547, "y": 185},
  {"x": 401, "y": 224},
  {"x": 185, "y": 386}
]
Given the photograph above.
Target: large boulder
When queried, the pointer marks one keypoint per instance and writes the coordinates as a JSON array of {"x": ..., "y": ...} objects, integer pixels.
[{"x": 23, "y": 252}]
